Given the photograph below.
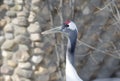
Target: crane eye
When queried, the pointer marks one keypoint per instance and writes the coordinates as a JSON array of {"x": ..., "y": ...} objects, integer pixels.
[{"x": 66, "y": 25}]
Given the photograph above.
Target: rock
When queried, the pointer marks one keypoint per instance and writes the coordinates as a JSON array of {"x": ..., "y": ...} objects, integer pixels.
[
  {"x": 38, "y": 44},
  {"x": 9, "y": 36},
  {"x": 35, "y": 8},
  {"x": 38, "y": 51},
  {"x": 11, "y": 14},
  {"x": 17, "y": 78},
  {"x": 23, "y": 47},
  {"x": 11, "y": 63},
  {"x": 2, "y": 39},
  {"x": 5, "y": 69},
  {"x": 9, "y": 45},
  {"x": 2, "y": 23},
  {"x": 23, "y": 73},
  {"x": 20, "y": 2},
  {"x": 8, "y": 28},
  {"x": 20, "y": 21},
  {"x": 7, "y": 78},
  {"x": 9, "y": 2},
  {"x": 1, "y": 78},
  {"x": 35, "y": 37},
  {"x": 26, "y": 65},
  {"x": 17, "y": 7},
  {"x": 54, "y": 76},
  {"x": 1, "y": 61},
  {"x": 41, "y": 70},
  {"x": 34, "y": 28},
  {"x": 22, "y": 39},
  {"x": 32, "y": 17},
  {"x": 21, "y": 56},
  {"x": 20, "y": 30},
  {"x": 7, "y": 54},
  {"x": 42, "y": 77},
  {"x": 24, "y": 79},
  {"x": 36, "y": 59},
  {"x": 33, "y": 67},
  {"x": 36, "y": 2},
  {"x": 52, "y": 68},
  {"x": 22, "y": 14}
]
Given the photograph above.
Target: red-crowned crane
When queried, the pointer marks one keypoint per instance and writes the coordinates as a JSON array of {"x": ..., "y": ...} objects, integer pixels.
[{"x": 69, "y": 29}]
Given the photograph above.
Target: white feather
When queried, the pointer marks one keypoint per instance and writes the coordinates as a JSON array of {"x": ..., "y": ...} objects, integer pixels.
[
  {"x": 71, "y": 74},
  {"x": 72, "y": 26}
]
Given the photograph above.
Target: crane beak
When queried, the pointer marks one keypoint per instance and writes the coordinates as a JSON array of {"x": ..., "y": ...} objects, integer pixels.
[{"x": 53, "y": 30}]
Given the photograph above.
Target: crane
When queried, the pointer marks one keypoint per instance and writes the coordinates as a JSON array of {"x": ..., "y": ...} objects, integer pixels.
[{"x": 70, "y": 30}]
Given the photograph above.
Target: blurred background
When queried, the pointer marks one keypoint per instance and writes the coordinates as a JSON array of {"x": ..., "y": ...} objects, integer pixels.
[{"x": 26, "y": 55}]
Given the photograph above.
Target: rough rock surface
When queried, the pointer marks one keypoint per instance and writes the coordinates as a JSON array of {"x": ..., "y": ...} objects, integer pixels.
[{"x": 27, "y": 55}]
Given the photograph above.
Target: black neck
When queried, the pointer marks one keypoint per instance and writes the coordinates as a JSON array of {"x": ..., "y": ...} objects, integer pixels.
[{"x": 71, "y": 47}]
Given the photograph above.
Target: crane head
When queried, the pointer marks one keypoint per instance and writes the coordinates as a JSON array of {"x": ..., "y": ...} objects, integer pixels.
[{"x": 68, "y": 28}]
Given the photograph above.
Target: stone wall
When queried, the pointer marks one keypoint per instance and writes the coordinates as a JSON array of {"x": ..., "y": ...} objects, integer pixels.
[{"x": 26, "y": 55}]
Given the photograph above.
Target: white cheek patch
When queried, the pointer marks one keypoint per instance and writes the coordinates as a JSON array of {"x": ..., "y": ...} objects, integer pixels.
[{"x": 72, "y": 26}]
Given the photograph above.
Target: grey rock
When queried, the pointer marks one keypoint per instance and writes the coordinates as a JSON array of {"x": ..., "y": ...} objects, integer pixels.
[
  {"x": 36, "y": 2},
  {"x": 34, "y": 28},
  {"x": 9, "y": 45},
  {"x": 26, "y": 65},
  {"x": 22, "y": 39},
  {"x": 3, "y": 22},
  {"x": 21, "y": 56},
  {"x": 35, "y": 37},
  {"x": 38, "y": 44},
  {"x": 1, "y": 62},
  {"x": 19, "y": 2},
  {"x": 36, "y": 59},
  {"x": 11, "y": 14},
  {"x": 52, "y": 68},
  {"x": 35, "y": 8},
  {"x": 11, "y": 63},
  {"x": 24, "y": 79},
  {"x": 8, "y": 28},
  {"x": 7, "y": 78},
  {"x": 17, "y": 7},
  {"x": 20, "y": 30},
  {"x": 42, "y": 78},
  {"x": 32, "y": 17},
  {"x": 17, "y": 78},
  {"x": 41, "y": 71},
  {"x": 22, "y": 14},
  {"x": 23, "y": 73},
  {"x": 9, "y": 2},
  {"x": 7, "y": 54},
  {"x": 20, "y": 21},
  {"x": 5, "y": 69},
  {"x": 2, "y": 39},
  {"x": 38, "y": 51},
  {"x": 8, "y": 35},
  {"x": 23, "y": 47},
  {"x": 1, "y": 78}
]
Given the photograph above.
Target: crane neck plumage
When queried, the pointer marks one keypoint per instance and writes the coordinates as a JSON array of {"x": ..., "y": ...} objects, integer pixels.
[{"x": 71, "y": 48}]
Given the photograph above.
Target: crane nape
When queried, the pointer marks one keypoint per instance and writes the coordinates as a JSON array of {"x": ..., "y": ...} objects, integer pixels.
[{"x": 70, "y": 30}]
